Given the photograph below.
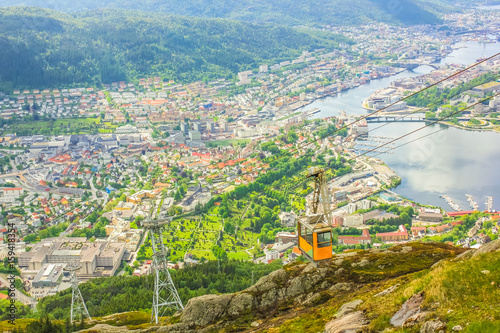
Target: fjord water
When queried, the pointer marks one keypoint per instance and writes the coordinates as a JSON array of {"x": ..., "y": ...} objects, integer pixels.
[{"x": 452, "y": 162}]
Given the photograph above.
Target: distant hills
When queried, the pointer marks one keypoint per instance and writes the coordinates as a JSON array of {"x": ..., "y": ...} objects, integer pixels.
[
  {"x": 100, "y": 41},
  {"x": 44, "y": 48},
  {"x": 286, "y": 12}
]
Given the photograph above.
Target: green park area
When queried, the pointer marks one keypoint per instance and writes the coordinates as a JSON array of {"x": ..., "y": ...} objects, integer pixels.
[
  {"x": 228, "y": 142},
  {"x": 65, "y": 126}
]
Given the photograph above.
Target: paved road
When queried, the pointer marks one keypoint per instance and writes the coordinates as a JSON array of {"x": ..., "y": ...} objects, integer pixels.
[
  {"x": 14, "y": 174},
  {"x": 93, "y": 189},
  {"x": 19, "y": 295}
]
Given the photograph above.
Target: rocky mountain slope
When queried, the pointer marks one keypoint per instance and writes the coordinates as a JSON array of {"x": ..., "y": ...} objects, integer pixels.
[{"x": 417, "y": 287}]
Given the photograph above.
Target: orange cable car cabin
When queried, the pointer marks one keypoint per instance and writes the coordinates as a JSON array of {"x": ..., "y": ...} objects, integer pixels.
[
  {"x": 315, "y": 238},
  {"x": 314, "y": 231}
]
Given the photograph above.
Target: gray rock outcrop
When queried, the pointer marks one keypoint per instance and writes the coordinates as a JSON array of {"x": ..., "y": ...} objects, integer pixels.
[
  {"x": 415, "y": 319},
  {"x": 410, "y": 307},
  {"x": 433, "y": 326},
  {"x": 351, "y": 323},
  {"x": 267, "y": 293},
  {"x": 387, "y": 291},
  {"x": 492, "y": 246},
  {"x": 348, "y": 308}
]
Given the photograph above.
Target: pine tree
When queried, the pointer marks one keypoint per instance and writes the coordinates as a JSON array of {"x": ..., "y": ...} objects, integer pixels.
[{"x": 68, "y": 326}]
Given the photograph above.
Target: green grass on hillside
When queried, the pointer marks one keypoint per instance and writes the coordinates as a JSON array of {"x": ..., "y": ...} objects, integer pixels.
[{"x": 456, "y": 286}]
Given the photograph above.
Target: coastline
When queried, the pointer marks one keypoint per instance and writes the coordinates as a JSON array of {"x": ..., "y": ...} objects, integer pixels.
[
  {"x": 332, "y": 94},
  {"x": 494, "y": 129}
]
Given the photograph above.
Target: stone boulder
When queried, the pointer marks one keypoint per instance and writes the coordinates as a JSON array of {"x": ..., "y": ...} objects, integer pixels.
[
  {"x": 388, "y": 290},
  {"x": 492, "y": 246},
  {"x": 348, "y": 308},
  {"x": 342, "y": 287},
  {"x": 410, "y": 307},
  {"x": 415, "y": 319},
  {"x": 351, "y": 323},
  {"x": 433, "y": 326},
  {"x": 203, "y": 310},
  {"x": 465, "y": 255}
]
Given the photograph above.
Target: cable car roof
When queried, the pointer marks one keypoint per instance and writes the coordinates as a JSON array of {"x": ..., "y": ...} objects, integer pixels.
[{"x": 316, "y": 222}]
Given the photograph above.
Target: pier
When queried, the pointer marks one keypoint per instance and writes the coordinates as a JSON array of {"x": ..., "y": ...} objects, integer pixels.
[
  {"x": 489, "y": 204},
  {"x": 473, "y": 204},
  {"x": 451, "y": 203}
]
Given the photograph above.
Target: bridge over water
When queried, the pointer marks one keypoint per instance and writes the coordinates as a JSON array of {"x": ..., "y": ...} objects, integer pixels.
[
  {"x": 413, "y": 65},
  {"x": 394, "y": 119}
]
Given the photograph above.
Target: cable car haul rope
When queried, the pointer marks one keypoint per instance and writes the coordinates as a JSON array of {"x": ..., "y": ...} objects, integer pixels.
[{"x": 314, "y": 229}]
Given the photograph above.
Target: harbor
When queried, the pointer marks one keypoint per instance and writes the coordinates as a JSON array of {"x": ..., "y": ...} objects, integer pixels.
[
  {"x": 422, "y": 164},
  {"x": 365, "y": 144}
]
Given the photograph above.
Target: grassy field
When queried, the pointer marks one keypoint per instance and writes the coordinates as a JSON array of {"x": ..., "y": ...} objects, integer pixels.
[
  {"x": 228, "y": 142},
  {"x": 57, "y": 123},
  {"x": 58, "y": 127},
  {"x": 62, "y": 126}
]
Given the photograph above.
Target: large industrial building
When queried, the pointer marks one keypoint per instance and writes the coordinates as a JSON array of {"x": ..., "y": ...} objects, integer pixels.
[
  {"x": 49, "y": 277},
  {"x": 96, "y": 259}
]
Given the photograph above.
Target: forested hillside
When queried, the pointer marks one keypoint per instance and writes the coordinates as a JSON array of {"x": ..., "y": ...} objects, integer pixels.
[
  {"x": 44, "y": 48},
  {"x": 118, "y": 294},
  {"x": 288, "y": 12}
]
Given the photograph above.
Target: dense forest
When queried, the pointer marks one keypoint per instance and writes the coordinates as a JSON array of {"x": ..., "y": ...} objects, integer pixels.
[
  {"x": 118, "y": 294},
  {"x": 43, "y": 48},
  {"x": 285, "y": 12}
]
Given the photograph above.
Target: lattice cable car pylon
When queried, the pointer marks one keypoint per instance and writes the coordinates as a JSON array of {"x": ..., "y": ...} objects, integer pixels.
[
  {"x": 164, "y": 294},
  {"x": 77, "y": 302}
]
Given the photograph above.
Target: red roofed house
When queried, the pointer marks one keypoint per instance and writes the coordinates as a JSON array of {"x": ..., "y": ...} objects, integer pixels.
[
  {"x": 353, "y": 240},
  {"x": 13, "y": 192},
  {"x": 440, "y": 228},
  {"x": 418, "y": 232},
  {"x": 163, "y": 185},
  {"x": 295, "y": 253},
  {"x": 401, "y": 234}
]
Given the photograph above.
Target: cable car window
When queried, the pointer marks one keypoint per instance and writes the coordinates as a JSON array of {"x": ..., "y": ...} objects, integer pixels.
[
  {"x": 309, "y": 236},
  {"x": 324, "y": 239}
]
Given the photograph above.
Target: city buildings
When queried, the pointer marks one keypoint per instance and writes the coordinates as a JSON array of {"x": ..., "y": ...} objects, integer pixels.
[
  {"x": 96, "y": 259},
  {"x": 353, "y": 240},
  {"x": 400, "y": 235}
]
